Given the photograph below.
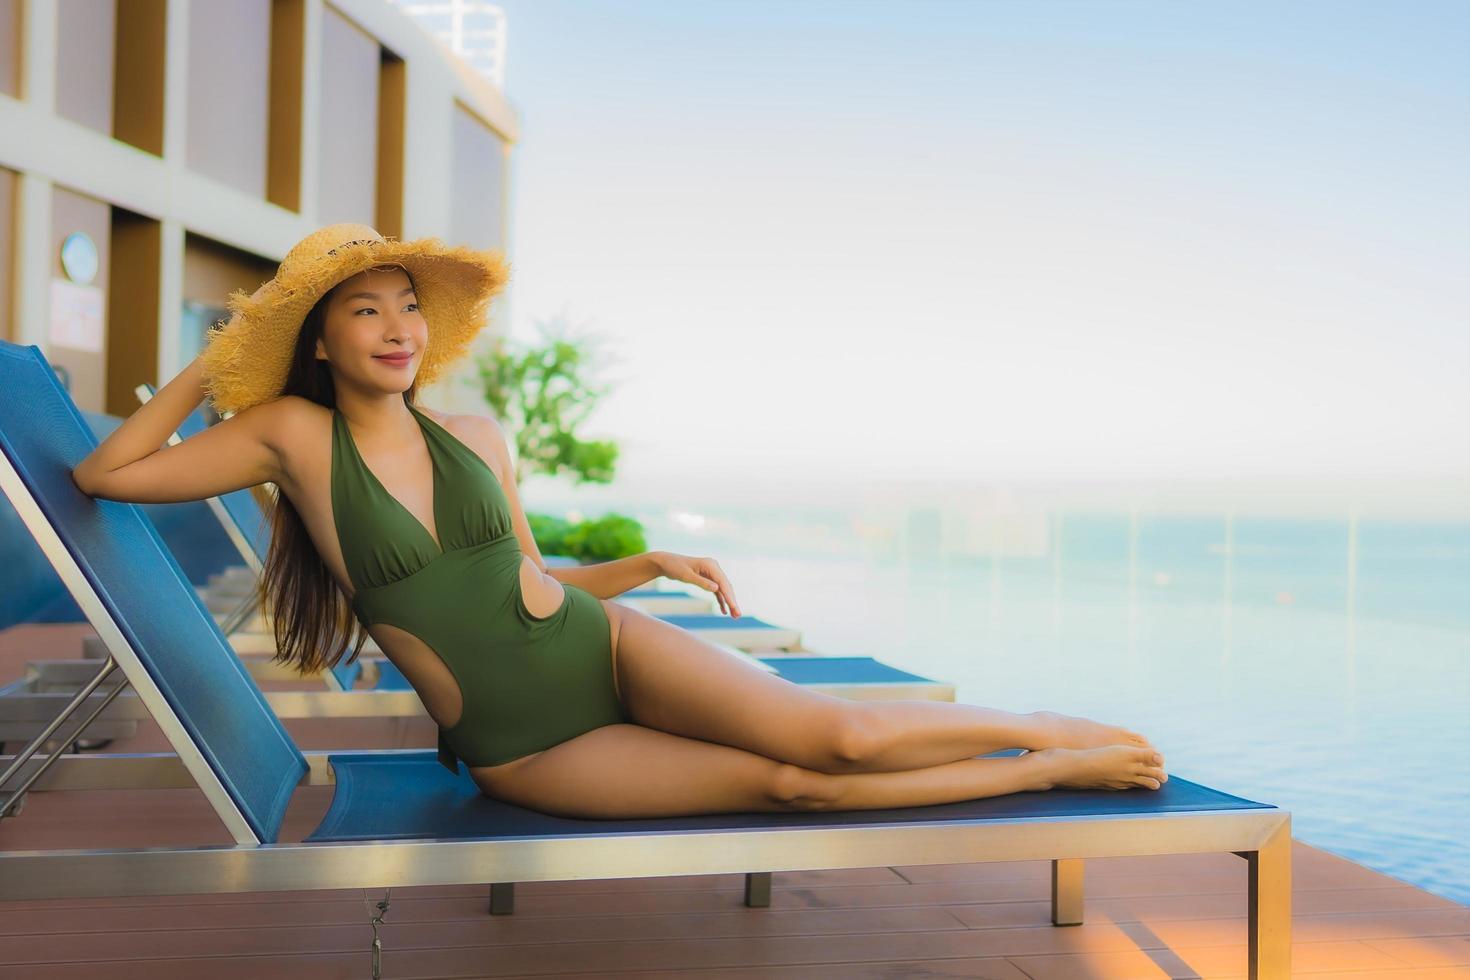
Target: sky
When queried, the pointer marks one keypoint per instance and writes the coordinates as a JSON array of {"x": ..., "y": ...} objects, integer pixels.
[{"x": 1003, "y": 240}]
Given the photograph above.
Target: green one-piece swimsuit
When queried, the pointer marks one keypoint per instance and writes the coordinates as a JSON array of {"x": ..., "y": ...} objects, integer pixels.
[{"x": 527, "y": 682}]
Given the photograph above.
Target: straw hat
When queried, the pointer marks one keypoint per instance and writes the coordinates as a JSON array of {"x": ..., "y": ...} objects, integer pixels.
[{"x": 247, "y": 358}]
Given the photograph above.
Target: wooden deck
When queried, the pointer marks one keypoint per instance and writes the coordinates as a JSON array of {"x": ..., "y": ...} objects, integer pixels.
[{"x": 1176, "y": 916}]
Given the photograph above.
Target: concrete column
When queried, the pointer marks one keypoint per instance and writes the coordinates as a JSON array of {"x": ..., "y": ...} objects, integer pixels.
[
  {"x": 170, "y": 300},
  {"x": 38, "y": 54},
  {"x": 32, "y": 272}
]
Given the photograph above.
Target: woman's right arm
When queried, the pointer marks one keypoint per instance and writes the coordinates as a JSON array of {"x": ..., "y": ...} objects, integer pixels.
[{"x": 134, "y": 463}]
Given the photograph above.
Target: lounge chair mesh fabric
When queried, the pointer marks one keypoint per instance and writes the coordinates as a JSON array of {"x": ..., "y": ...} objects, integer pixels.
[
  {"x": 409, "y": 795},
  {"x": 706, "y": 621},
  {"x": 840, "y": 670}
]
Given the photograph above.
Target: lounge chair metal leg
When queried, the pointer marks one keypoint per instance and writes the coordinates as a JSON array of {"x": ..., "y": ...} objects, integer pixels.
[
  {"x": 502, "y": 897},
  {"x": 1269, "y": 906},
  {"x": 9, "y": 800},
  {"x": 1066, "y": 892},
  {"x": 238, "y": 616},
  {"x": 758, "y": 889}
]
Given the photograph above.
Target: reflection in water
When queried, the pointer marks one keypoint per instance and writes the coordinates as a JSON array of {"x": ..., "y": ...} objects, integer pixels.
[
  {"x": 1352, "y": 614},
  {"x": 1058, "y": 522},
  {"x": 995, "y": 558},
  {"x": 1133, "y": 595},
  {"x": 1226, "y": 607}
]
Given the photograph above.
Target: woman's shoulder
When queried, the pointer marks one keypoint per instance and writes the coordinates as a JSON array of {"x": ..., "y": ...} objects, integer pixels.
[
  {"x": 291, "y": 408},
  {"x": 282, "y": 417},
  {"x": 482, "y": 433},
  {"x": 472, "y": 423},
  {"x": 295, "y": 428}
]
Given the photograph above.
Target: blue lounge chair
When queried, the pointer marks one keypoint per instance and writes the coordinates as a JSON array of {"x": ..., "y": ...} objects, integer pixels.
[{"x": 398, "y": 819}]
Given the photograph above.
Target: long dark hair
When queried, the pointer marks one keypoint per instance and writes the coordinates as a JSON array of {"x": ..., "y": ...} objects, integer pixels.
[{"x": 312, "y": 619}]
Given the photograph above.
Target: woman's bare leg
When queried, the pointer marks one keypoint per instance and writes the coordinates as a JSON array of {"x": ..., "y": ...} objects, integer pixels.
[
  {"x": 672, "y": 680},
  {"x": 627, "y": 771},
  {"x": 916, "y": 734},
  {"x": 1113, "y": 767}
]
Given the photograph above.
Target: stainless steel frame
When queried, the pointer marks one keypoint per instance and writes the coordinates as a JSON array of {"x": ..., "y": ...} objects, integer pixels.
[
  {"x": 9, "y": 799},
  {"x": 377, "y": 864}
]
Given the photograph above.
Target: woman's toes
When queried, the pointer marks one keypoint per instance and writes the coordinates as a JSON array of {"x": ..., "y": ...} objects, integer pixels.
[
  {"x": 1151, "y": 756},
  {"x": 1152, "y": 774}
]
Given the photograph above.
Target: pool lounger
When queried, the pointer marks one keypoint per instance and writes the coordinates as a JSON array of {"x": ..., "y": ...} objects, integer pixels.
[{"x": 399, "y": 819}]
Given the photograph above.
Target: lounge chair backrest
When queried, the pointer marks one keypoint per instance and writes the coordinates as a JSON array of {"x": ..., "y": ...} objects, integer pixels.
[{"x": 140, "y": 602}]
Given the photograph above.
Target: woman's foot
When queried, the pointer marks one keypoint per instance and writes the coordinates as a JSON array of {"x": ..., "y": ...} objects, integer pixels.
[
  {"x": 1104, "y": 767},
  {"x": 1058, "y": 731}
]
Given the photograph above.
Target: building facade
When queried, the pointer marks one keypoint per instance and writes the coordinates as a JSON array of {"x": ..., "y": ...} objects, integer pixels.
[{"x": 156, "y": 155}]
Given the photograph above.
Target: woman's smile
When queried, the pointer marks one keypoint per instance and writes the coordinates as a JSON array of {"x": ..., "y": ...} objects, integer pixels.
[{"x": 395, "y": 359}]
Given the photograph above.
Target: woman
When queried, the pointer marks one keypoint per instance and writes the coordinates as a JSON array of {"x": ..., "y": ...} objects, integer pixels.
[{"x": 404, "y": 524}]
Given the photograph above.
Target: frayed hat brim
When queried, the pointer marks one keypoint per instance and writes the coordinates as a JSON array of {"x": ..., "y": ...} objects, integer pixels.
[{"x": 247, "y": 358}]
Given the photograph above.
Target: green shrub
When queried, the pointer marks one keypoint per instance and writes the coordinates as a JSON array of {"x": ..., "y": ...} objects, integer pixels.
[
  {"x": 607, "y": 538},
  {"x": 550, "y": 533}
]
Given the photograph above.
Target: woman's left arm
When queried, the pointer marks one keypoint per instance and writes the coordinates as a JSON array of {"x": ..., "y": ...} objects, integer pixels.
[
  {"x": 610, "y": 578},
  {"x": 606, "y": 579}
]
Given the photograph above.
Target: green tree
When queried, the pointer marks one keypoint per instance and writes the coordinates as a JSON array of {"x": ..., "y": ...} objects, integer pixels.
[{"x": 543, "y": 392}]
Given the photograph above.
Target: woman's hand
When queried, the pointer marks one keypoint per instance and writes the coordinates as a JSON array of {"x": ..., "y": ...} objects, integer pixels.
[{"x": 703, "y": 572}]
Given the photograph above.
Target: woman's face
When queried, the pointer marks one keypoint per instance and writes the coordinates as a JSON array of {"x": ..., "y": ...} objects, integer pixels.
[{"x": 374, "y": 336}]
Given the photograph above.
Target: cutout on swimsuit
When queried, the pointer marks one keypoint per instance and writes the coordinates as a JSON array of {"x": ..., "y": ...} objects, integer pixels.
[{"x": 425, "y": 670}]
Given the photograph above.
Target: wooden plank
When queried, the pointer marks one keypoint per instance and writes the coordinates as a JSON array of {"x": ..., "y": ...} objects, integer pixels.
[
  {"x": 1429, "y": 951},
  {"x": 1207, "y": 961}
]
